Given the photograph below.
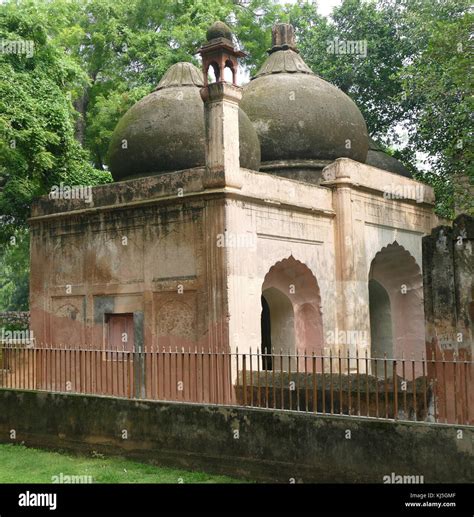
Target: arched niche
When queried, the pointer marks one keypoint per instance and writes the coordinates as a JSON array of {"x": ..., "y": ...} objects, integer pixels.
[{"x": 396, "y": 272}]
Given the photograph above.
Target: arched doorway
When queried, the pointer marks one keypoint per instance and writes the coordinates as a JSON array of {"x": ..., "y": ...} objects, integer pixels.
[
  {"x": 291, "y": 311},
  {"x": 280, "y": 324},
  {"x": 380, "y": 321},
  {"x": 396, "y": 303}
]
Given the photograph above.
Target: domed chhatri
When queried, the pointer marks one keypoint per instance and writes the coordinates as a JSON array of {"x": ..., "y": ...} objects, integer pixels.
[
  {"x": 219, "y": 30},
  {"x": 299, "y": 116},
  {"x": 377, "y": 157},
  {"x": 164, "y": 131}
]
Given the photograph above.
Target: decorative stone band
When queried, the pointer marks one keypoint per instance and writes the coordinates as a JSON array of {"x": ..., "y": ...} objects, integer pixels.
[
  {"x": 294, "y": 164},
  {"x": 217, "y": 92}
]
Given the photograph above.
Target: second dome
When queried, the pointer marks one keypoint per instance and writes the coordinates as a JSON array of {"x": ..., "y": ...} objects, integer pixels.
[{"x": 299, "y": 116}]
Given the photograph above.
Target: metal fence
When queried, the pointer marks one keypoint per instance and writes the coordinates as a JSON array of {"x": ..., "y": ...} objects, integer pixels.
[{"x": 431, "y": 388}]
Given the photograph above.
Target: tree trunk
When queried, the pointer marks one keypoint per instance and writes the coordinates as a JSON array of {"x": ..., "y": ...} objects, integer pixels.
[{"x": 80, "y": 105}]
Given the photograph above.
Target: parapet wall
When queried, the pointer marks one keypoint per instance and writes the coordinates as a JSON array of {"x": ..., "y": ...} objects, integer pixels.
[{"x": 254, "y": 444}]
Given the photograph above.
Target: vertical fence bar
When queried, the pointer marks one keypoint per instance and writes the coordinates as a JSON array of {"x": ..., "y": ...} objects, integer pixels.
[
  {"x": 323, "y": 383},
  {"x": 196, "y": 371},
  {"x": 290, "y": 385},
  {"x": 395, "y": 389},
  {"x": 15, "y": 365},
  {"x": 91, "y": 383},
  {"x": 340, "y": 380},
  {"x": 349, "y": 384},
  {"x": 330, "y": 383},
  {"x": 305, "y": 381},
  {"x": 385, "y": 383},
  {"x": 251, "y": 377},
  {"x": 46, "y": 378},
  {"x": 259, "y": 400},
  {"x": 455, "y": 388},
  {"x": 405, "y": 390},
  {"x": 23, "y": 382},
  {"x": 182, "y": 373},
  {"x": 414, "y": 387},
  {"x": 425, "y": 400},
  {"x": 315, "y": 390},
  {"x": 217, "y": 391},
  {"x": 224, "y": 386},
  {"x": 358, "y": 381},
  {"x": 367, "y": 393},
  {"x": 466, "y": 392},
  {"x": 297, "y": 357},
  {"x": 237, "y": 366},
  {"x": 244, "y": 377},
  {"x": 281, "y": 381}
]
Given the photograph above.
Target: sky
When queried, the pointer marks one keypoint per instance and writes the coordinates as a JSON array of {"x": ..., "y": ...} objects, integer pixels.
[{"x": 324, "y": 6}]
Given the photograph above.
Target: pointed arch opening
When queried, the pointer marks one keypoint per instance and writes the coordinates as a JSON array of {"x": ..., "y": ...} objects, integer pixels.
[
  {"x": 395, "y": 287},
  {"x": 291, "y": 311}
]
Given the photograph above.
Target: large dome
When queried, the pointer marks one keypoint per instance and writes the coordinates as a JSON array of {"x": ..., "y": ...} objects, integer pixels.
[
  {"x": 299, "y": 116},
  {"x": 164, "y": 131}
]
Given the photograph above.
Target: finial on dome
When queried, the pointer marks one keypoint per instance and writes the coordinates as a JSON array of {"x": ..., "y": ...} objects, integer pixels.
[
  {"x": 283, "y": 37},
  {"x": 219, "y": 30}
]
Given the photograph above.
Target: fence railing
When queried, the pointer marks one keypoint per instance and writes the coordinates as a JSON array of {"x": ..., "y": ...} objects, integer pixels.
[{"x": 431, "y": 388}]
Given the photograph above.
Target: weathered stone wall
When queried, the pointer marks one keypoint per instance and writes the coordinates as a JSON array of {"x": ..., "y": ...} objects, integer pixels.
[
  {"x": 448, "y": 271},
  {"x": 448, "y": 278},
  {"x": 250, "y": 443}
]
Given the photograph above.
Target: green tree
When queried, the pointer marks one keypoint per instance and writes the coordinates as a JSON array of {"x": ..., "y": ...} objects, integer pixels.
[
  {"x": 37, "y": 144},
  {"x": 14, "y": 273},
  {"x": 438, "y": 84}
]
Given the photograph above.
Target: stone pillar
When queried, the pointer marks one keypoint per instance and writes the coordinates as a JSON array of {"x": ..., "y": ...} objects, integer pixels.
[
  {"x": 221, "y": 118},
  {"x": 350, "y": 282}
]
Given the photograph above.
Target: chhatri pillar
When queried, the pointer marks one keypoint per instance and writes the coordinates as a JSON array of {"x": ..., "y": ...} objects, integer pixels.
[{"x": 221, "y": 109}]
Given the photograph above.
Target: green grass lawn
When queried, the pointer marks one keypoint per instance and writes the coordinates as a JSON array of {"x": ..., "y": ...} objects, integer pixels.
[{"x": 19, "y": 464}]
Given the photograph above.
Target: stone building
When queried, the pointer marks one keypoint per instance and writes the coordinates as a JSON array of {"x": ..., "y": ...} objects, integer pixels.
[{"x": 254, "y": 217}]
